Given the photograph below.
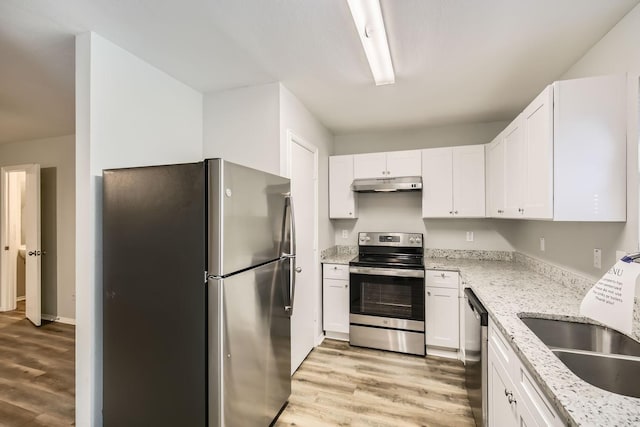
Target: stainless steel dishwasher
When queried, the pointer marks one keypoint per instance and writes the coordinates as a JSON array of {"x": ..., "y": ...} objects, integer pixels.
[{"x": 476, "y": 324}]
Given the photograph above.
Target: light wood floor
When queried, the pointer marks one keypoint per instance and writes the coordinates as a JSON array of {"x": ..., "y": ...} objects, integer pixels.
[
  {"x": 37, "y": 372},
  {"x": 339, "y": 385}
]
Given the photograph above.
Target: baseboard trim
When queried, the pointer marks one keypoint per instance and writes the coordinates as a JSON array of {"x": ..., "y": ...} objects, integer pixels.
[
  {"x": 21, "y": 298},
  {"x": 340, "y": 336},
  {"x": 53, "y": 318}
]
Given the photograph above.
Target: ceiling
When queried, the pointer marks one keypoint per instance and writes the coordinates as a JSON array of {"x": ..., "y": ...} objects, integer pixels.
[{"x": 456, "y": 61}]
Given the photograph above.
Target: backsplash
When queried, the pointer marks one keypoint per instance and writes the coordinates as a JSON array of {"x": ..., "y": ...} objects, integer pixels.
[
  {"x": 339, "y": 250},
  {"x": 469, "y": 254}
]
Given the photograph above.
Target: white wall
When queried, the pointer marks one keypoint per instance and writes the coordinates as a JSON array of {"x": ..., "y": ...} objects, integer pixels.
[
  {"x": 409, "y": 139},
  {"x": 572, "y": 244},
  {"x": 243, "y": 126},
  {"x": 403, "y": 211},
  {"x": 56, "y": 157},
  {"x": 128, "y": 113}
]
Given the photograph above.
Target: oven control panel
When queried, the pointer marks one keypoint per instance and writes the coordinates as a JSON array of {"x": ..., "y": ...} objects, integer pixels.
[{"x": 390, "y": 239}]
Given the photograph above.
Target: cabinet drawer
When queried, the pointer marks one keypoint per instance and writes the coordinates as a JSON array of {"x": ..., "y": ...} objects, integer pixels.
[
  {"x": 441, "y": 279},
  {"x": 336, "y": 271}
]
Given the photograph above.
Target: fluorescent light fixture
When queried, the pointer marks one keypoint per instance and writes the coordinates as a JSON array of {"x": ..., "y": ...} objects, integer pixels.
[{"x": 368, "y": 19}]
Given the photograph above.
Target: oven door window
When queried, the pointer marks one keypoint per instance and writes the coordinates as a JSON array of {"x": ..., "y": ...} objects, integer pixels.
[{"x": 387, "y": 296}]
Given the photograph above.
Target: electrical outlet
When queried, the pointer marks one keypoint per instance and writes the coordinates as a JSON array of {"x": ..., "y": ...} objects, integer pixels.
[
  {"x": 469, "y": 236},
  {"x": 345, "y": 234},
  {"x": 597, "y": 258},
  {"x": 542, "y": 244}
]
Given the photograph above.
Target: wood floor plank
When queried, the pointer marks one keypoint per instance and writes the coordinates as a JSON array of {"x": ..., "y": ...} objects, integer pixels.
[
  {"x": 340, "y": 385},
  {"x": 37, "y": 372}
]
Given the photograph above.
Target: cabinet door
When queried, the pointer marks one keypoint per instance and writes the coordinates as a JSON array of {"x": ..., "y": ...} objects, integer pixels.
[
  {"x": 342, "y": 200},
  {"x": 441, "y": 316},
  {"x": 437, "y": 183},
  {"x": 404, "y": 163},
  {"x": 371, "y": 165},
  {"x": 537, "y": 123},
  {"x": 468, "y": 181},
  {"x": 335, "y": 305},
  {"x": 513, "y": 169},
  {"x": 495, "y": 178},
  {"x": 501, "y": 412}
]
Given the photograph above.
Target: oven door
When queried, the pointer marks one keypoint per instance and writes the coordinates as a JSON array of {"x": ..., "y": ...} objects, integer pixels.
[{"x": 387, "y": 297}]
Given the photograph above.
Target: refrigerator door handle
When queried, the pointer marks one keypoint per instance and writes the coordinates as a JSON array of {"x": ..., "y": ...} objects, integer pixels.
[{"x": 288, "y": 206}]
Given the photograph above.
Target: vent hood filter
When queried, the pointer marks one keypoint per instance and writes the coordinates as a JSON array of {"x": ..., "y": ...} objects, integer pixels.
[{"x": 387, "y": 185}]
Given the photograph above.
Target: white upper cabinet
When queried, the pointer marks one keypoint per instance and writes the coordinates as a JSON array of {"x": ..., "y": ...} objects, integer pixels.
[
  {"x": 495, "y": 177},
  {"x": 437, "y": 182},
  {"x": 590, "y": 133},
  {"x": 404, "y": 163},
  {"x": 513, "y": 141},
  {"x": 537, "y": 123},
  {"x": 469, "y": 181},
  {"x": 342, "y": 200},
  {"x": 370, "y": 165},
  {"x": 564, "y": 156},
  {"x": 387, "y": 165},
  {"x": 453, "y": 182}
]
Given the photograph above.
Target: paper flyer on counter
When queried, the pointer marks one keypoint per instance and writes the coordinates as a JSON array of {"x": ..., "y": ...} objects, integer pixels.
[{"x": 610, "y": 300}]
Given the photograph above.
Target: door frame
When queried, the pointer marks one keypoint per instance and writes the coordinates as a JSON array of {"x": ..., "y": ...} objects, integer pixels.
[
  {"x": 7, "y": 290},
  {"x": 293, "y": 138}
]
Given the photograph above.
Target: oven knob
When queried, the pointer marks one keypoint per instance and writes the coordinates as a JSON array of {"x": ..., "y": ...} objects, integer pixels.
[
  {"x": 412, "y": 240},
  {"x": 367, "y": 238},
  {"x": 418, "y": 240}
]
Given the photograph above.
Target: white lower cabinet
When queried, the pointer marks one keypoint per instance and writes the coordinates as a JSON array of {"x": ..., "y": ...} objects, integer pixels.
[
  {"x": 442, "y": 319},
  {"x": 335, "y": 300},
  {"x": 513, "y": 397}
]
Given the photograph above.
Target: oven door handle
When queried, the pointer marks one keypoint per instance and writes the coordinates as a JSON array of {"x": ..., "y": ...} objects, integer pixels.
[{"x": 395, "y": 272}]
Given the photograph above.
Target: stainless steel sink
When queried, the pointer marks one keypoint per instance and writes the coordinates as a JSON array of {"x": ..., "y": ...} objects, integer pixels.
[
  {"x": 617, "y": 374},
  {"x": 602, "y": 357},
  {"x": 581, "y": 336}
]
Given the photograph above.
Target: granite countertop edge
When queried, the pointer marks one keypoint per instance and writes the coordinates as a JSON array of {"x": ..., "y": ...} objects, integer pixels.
[{"x": 509, "y": 290}]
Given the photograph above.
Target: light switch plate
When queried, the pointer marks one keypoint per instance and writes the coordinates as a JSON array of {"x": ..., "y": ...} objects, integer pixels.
[
  {"x": 469, "y": 236},
  {"x": 597, "y": 258},
  {"x": 542, "y": 248},
  {"x": 345, "y": 234}
]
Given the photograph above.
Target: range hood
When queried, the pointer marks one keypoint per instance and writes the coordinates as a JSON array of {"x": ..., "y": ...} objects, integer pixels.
[{"x": 387, "y": 185}]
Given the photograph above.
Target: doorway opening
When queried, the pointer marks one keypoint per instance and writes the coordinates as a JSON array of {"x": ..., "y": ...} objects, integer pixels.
[{"x": 20, "y": 241}]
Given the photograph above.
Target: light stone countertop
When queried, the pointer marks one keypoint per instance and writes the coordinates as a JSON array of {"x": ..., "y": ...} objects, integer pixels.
[
  {"x": 508, "y": 289},
  {"x": 338, "y": 254}
]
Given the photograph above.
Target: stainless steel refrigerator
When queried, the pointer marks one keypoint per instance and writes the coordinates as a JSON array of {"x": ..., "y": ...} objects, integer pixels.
[{"x": 197, "y": 262}]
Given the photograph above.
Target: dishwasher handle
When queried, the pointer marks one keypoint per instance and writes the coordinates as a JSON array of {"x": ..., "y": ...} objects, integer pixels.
[{"x": 477, "y": 306}]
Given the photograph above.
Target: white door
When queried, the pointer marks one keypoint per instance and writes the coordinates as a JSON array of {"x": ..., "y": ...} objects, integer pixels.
[
  {"x": 303, "y": 170},
  {"x": 34, "y": 250}
]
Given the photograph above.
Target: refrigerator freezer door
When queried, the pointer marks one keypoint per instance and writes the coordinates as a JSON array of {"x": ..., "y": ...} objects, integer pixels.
[
  {"x": 245, "y": 216},
  {"x": 249, "y": 346},
  {"x": 154, "y": 305}
]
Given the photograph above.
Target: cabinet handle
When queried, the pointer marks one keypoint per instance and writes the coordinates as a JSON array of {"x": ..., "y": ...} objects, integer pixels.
[
  {"x": 350, "y": 213},
  {"x": 450, "y": 212},
  {"x": 428, "y": 293},
  {"x": 346, "y": 286},
  {"x": 455, "y": 212},
  {"x": 442, "y": 275}
]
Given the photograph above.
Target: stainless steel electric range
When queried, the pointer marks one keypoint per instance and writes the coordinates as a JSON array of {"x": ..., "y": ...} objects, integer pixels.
[{"x": 386, "y": 280}]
